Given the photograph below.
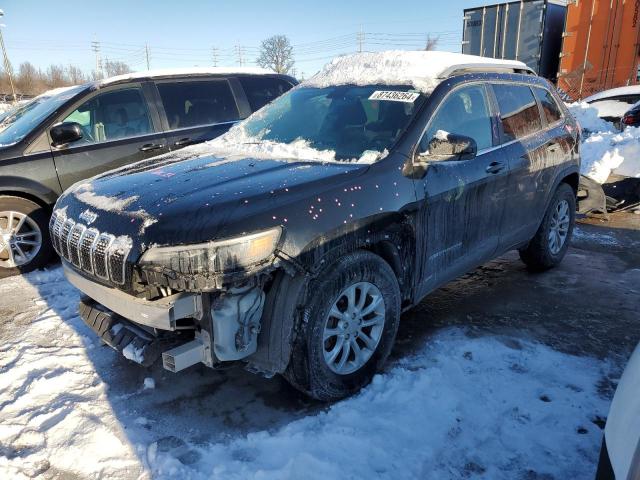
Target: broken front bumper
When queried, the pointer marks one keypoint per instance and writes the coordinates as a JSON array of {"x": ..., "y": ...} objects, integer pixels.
[{"x": 161, "y": 314}]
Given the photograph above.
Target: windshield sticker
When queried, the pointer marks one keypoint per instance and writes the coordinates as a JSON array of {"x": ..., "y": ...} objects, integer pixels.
[{"x": 394, "y": 96}]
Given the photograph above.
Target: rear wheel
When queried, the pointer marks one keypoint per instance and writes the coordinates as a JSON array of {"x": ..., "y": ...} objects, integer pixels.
[
  {"x": 24, "y": 235},
  {"x": 349, "y": 326},
  {"x": 549, "y": 245}
]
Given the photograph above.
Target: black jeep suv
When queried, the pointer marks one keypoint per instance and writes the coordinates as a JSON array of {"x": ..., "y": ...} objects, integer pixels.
[
  {"x": 73, "y": 133},
  {"x": 293, "y": 242}
]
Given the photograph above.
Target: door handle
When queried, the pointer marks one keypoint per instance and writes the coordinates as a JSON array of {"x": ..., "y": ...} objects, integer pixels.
[
  {"x": 149, "y": 147},
  {"x": 183, "y": 142},
  {"x": 494, "y": 167}
]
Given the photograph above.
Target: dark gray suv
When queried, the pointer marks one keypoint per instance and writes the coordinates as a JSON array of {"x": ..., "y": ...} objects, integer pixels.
[
  {"x": 292, "y": 243},
  {"x": 70, "y": 134}
]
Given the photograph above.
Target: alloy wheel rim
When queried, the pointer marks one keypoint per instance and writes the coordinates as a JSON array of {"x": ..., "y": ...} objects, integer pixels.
[
  {"x": 559, "y": 227},
  {"x": 353, "y": 328},
  {"x": 20, "y": 239}
]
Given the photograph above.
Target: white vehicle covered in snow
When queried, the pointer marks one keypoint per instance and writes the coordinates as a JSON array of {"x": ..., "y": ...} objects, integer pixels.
[{"x": 612, "y": 104}]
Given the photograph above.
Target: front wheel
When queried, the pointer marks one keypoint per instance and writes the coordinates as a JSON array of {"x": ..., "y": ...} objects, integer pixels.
[
  {"x": 349, "y": 325},
  {"x": 24, "y": 236},
  {"x": 549, "y": 245}
]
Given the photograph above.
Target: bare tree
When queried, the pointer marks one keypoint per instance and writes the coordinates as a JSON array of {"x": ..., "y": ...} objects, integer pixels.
[
  {"x": 29, "y": 79},
  {"x": 75, "y": 75},
  {"x": 115, "y": 67},
  {"x": 276, "y": 53},
  {"x": 56, "y": 76},
  {"x": 432, "y": 42}
]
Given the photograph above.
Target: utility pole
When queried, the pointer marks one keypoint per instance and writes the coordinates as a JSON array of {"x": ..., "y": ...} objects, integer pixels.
[
  {"x": 360, "y": 39},
  {"x": 146, "y": 52},
  {"x": 7, "y": 65},
  {"x": 239, "y": 53},
  {"x": 95, "y": 46},
  {"x": 214, "y": 56}
]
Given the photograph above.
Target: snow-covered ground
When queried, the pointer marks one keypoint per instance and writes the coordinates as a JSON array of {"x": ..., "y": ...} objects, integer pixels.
[{"x": 462, "y": 406}]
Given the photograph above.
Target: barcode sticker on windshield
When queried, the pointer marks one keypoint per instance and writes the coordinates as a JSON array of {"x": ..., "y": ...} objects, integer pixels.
[{"x": 394, "y": 96}]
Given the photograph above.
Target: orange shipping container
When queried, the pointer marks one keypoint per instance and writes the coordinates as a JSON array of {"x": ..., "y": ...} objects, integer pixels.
[{"x": 600, "y": 48}]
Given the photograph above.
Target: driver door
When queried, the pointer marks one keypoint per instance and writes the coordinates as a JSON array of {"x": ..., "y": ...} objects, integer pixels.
[
  {"x": 462, "y": 201},
  {"x": 118, "y": 126}
]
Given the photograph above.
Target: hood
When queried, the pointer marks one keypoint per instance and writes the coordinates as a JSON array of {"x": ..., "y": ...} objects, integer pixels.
[{"x": 170, "y": 200}]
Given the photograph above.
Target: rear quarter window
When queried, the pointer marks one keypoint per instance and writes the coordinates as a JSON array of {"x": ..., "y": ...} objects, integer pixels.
[
  {"x": 262, "y": 90},
  {"x": 549, "y": 105},
  {"x": 198, "y": 103},
  {"x": 518, "y": 111}
]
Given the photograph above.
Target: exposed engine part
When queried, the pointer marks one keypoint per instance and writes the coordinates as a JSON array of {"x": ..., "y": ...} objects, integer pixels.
[{"x": 236, "y": 318}]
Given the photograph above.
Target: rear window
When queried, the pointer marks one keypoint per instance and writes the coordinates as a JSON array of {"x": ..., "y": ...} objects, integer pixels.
[
  {"x": 262, "y": 90},
  {"x": 196, "y": 103},
  {"x": 550, "y": 107},
  {"x": 518, "y": 110}
]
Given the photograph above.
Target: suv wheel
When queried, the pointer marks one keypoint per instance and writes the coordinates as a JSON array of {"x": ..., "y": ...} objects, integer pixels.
[
  {"x": 350, "y": 321},
  {"x": 24, "y": 236},
  {"x": 551, "y": 241}
]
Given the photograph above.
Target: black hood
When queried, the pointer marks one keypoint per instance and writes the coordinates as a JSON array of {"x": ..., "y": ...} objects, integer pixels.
[{"x": 173, "y": 200}]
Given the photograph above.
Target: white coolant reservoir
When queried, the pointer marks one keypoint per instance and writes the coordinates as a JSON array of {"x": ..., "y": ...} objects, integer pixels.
[{"x": 236, "y": 322}]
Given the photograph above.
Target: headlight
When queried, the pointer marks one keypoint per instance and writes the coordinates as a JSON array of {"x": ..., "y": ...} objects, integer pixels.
[{"x": 221, "y": 256}]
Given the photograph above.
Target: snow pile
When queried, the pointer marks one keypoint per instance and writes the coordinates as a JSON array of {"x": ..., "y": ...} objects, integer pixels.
[
  {"x": 421, "y": 69},
  {"x": 604, "y": 149},
  {"x": 608, "y": 152},
  {"x": 587, "y": 117}
]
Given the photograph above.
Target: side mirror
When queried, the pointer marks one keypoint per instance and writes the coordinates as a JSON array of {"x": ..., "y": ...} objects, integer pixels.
[
  {"x": 449, "y": 146},
  {"x": 67, "y": 132}
]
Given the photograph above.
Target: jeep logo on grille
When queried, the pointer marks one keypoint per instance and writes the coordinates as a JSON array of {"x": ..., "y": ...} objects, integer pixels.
[{"x": 88, "y": 216}]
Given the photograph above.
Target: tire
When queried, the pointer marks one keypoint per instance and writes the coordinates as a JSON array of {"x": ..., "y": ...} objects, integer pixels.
[
  {"x": 35, "y": 228},
  {"x": 540, "y": 254},
  {"x": 309, "y": 370}
]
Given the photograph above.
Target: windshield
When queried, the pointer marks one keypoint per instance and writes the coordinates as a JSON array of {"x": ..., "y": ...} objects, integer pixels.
[
  {"x": 21, "y": 120},
  {"x": 348, "y": 120}
]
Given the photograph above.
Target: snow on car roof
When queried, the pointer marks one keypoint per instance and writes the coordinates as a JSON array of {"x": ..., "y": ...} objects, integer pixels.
[
  {"x": 421, "y": 69},
  {"x": 174, "y": 72},
  {"x": 614, "y": 92}
]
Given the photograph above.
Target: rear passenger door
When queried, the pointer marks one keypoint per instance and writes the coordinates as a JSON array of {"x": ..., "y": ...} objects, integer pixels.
[
  {"x": 529, "y": 149},
  {"x": 119, "y": 126},
  {"x": 196, "y": 110}
]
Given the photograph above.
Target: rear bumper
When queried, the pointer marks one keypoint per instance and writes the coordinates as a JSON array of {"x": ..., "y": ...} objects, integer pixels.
[{"x": 161, "y": 314}]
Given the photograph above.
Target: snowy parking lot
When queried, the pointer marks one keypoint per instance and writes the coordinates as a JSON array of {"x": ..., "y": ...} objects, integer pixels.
[{"x": 501, "y": 374}]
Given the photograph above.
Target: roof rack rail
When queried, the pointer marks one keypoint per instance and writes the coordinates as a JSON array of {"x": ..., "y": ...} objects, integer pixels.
[{"x": 516, "y": 67}]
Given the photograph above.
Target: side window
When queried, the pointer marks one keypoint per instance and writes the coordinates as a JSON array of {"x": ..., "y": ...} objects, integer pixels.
[
  {"x": 197, "y": 103},
  {"x": 112, "y": 115},
  {"x": 550, "y": 107},
  {"x": 518, "y": 110},
  {"x": 261, "y": 90},
  {"x": 464, "y": 112}
]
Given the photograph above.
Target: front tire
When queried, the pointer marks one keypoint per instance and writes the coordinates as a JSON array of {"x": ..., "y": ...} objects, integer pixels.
[
  {"x": 551, "y": 241},
  {"x": 348, "y": 327},
  {"x": 24, "y": 236}
]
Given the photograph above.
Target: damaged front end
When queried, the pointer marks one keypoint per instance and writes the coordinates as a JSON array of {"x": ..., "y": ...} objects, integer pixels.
[{"x": 189, "y": 304}]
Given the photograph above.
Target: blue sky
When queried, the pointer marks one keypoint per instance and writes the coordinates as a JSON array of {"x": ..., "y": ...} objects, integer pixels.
[{"x": 183, "y": 34}]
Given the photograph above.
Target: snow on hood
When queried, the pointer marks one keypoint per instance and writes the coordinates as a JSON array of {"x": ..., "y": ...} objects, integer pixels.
[
  {"x": 421, "y": 69},
  {"x": 611, "y": 108}
]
